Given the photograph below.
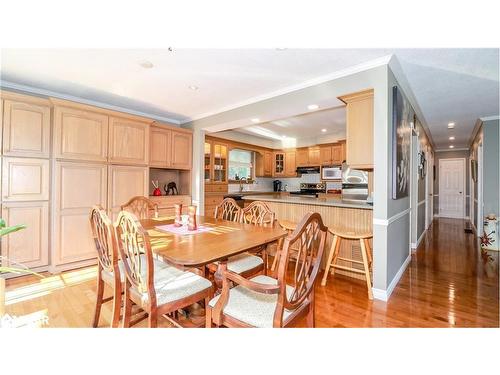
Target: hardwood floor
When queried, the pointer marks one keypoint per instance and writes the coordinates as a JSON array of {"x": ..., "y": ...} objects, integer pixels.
[{"x": 449, "y": 283}]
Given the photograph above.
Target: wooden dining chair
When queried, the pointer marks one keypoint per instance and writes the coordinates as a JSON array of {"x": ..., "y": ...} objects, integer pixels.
[
  {"x": 264, "y": 301},
  {"x": 141, "y": 207},
  {"x": 245, "y": 264},
  {"x": 108, "y": 270},
  {"x": 157, "y": 287}
]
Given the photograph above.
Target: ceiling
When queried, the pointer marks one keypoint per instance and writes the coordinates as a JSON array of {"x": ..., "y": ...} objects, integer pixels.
[{"x": 458, "y": 85}]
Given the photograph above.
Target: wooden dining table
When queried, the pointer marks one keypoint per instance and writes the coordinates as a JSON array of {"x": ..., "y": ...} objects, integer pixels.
[{"x": 221, "y": 240}]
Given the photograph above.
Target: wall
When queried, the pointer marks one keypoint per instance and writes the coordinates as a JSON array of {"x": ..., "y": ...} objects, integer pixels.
[
  {"x": 440, "y": 155},
  {"x": 491, "y": 172},
  {"x": 473, "y": 155}
]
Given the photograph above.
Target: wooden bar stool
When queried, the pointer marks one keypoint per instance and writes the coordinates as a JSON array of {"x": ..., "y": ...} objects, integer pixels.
[
  {"x": 333, "y": 256},
  {"x": 289, "y": 227}
]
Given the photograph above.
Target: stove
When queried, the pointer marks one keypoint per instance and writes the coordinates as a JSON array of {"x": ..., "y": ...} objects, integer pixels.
[{"x": 311, "y": 190}]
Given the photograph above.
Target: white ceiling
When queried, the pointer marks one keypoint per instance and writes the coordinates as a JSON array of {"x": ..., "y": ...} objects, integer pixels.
[{"x": 457, "y": 85}]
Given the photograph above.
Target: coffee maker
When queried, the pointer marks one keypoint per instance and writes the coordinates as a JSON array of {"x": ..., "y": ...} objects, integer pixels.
[{"x": 277, "y": 185}]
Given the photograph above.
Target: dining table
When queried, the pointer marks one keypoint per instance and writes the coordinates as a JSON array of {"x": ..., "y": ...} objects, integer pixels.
[{"x": 216, "y": 240}]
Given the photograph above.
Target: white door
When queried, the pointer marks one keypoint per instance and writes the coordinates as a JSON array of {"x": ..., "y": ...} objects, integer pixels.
[{"x": 451, "y": 188}]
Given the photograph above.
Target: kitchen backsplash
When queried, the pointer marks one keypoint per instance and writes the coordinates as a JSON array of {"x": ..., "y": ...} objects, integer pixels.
[{"x": 291, "y": 183}]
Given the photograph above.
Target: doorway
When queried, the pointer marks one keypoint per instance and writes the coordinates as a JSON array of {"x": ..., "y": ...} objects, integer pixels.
[
  {"x": 429, "y": 189},
  {"x": 480, "y": 218},
  {"x": 452, "y": 188}
]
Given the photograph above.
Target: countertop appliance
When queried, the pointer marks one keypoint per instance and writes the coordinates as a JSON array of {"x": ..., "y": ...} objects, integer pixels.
[
  {"x": 277, "y": 185},
  {"x": 331, "y": 173},
  {"x": 354, "y": 184},
  {"x": 311, "y": 190}
]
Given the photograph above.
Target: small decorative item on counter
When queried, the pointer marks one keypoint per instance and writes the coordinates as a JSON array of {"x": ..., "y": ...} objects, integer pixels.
[
  {"x": 489, "y": 239},
  {"x": 156, "y": 191},
  {"x": 178, "y": 213},
  {"x": 192, "y": 218},
  {"x": 171, "y": 187}
]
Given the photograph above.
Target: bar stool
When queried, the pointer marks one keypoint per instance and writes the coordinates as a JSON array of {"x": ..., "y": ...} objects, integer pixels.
[
  {"x": 340, "y": 234},
  {"x": 289, "y": 227}
]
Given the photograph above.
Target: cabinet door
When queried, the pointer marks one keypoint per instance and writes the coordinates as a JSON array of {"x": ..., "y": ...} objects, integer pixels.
[
  {"x": 26, "y": 129},
  {"x": 128, "y": 141},
  {"x": 80, "y": 135},
  {"x": 160, "y": 148},
  {"x": 290, "y": 163},
  {"x": 279, "y": 164},
  {"x": 25, "y": 179},
  {"x": 208, "y": 161},
  {"x": 78, "y": 187},
  {"x": 220, "y": 163},
  {"x": 182, "y": 149},
  {"x": 268, "y": 163},
  {"x": 29, "y": 246},
  {"x": 314, "y": 156},
  {"x": 302, "y": 157},
  {"x": 337, "y": 154},
  {"x": 126, "y": 182},
  {"x": 325, "y": 155}
]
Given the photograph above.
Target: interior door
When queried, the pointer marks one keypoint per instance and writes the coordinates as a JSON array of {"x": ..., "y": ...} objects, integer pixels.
[{"x": 451, "y": 188}]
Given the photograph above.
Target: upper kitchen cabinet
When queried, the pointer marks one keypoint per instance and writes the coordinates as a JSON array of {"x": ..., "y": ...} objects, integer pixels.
[
  {"x": 182, "y": 149},
  {"x": 264, "y": 164},
  {"x": 332, "y": 154},
  {"x": 359, "y": 129},
  {"x": 128, "y": 141},
  {"x": 279, "y": 164},
  {"x": 302, "y": 157},
  {"x": 80, "y": 134},
  {"x": 160, "y": 147},
  {"x": 309, "y": 156},
  {"x": 220, "y": 161},
  {"x": 314, "y": 154},
  {"x": 290, "y": 164},
  {"x": 26, "y": 126}
]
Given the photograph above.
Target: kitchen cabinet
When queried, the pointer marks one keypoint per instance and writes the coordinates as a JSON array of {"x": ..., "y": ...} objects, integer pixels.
[
  {"x": 125, "y": 182},
  {"x": 207, "y": 161},
  {"x": 166, "y": 204},
  {"x": 302, "y": 157},
  {"x": 314, "y": 156},
  {"x": 182, "y": 149},
  {"x": 128, "y": 141},
  {"x": 25, "y": 179},
  {"x": 279, "y": 164},
  {"x": 80, "y": 134},
  {"x": 308, "y": 157},
  {"x": 264, "y": 164},
  {"x": 332, "y": 154},
  {"x": 78, "y": 187},
  {"x": 31, "y": 245},
  {"x": 359, "y": 129},
  {"x": 219, "y": 163},
  {"x": 338, "y": 153},
  {"x": 26, "y": 128},
  {"x": 160, "y": 147},
  {"x": 290, "y": 164}
]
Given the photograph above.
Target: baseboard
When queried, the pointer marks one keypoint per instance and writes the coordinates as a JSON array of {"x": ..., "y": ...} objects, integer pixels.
[
  {"x": 415, "y": 245},
  {"x": 384, "y": 295}
]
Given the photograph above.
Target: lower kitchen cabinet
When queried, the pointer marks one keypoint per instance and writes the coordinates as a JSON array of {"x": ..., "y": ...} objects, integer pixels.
[{"x": 30, "y": 246}]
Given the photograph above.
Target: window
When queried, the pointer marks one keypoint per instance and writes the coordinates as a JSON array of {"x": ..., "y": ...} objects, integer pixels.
[{"x": 240, "y": 164}]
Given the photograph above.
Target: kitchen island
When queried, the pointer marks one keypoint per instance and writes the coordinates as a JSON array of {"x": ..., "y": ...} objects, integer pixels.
[{"x": 336, "y": 213}]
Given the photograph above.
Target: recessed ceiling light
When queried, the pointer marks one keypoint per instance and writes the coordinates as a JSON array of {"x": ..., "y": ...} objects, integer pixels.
[
  {"x": 281, "y": 49},
  {"x": 323, "y": 130},
  {"x": 283, "y": 136},
  {"x": 255, "y": 120},
  {"x": 193, "y": 87},
  {"x": 312, "y": 107},
  {"x": 146, "y": 64},
  {"x": 451, "y": 138},
  {"x": 451, "y": 146},
  {"x": 451, "y": 125}
]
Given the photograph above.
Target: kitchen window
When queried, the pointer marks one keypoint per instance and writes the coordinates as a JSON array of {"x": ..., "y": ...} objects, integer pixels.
[{"x": 240, "y": 164}]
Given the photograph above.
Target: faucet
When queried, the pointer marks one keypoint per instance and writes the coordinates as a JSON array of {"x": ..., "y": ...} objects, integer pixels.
[{"x": 241, "y": 183}]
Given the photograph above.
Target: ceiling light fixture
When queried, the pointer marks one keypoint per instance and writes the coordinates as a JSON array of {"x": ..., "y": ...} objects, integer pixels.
[
  {"x": 323, "y": 130},
  {"x": 281, "y": 48},
  {"x": 451, "y": 146},
  {"x": 193, "y": 87},
  {"x": 146, "y": 64},
  {"x": 312, "y": 107},
  {"x": 255, "y": 120},
  {"x": 451, "y": 125},
  {"x": 451, "y": 138}
]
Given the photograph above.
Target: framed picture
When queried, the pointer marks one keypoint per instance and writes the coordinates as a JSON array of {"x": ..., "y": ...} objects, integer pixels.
[{"x": 402, "y": 117}]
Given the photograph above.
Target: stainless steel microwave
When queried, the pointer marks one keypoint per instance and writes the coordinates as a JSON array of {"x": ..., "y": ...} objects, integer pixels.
[{"x": 331, "y": 173}]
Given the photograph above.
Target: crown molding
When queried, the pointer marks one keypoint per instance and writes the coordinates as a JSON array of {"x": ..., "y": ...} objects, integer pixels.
[
  {"x": 309, "y": 83},
  {"x": 489, "y": 118},
  {"x": 52, "y": 94}
]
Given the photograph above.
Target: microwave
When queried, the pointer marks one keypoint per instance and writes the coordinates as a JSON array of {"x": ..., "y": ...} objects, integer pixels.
[{"x": 331, "y": 173}]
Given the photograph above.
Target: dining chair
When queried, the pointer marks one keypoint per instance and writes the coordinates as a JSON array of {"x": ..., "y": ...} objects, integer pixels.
[
  {"x": 141, "y": 207},
  {"x": 264, "y": 301},
  {"x": 157, "y": 287},
  {"x": 108, "y": 270},
  {"x": 245, "y": 264}
]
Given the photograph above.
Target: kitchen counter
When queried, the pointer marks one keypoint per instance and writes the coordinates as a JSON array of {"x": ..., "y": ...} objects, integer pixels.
[{"x": 313, "y": 201}]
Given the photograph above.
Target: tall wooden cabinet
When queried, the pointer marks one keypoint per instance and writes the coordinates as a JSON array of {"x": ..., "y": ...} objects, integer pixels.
[
  {"x": 128, "y": 141},
  {"x": 124, "y": 183},
  {"x": 171, "y": 148}
]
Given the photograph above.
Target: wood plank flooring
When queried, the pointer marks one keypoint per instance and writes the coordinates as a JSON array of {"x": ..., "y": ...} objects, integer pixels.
[{"x": 449, "y": 283}]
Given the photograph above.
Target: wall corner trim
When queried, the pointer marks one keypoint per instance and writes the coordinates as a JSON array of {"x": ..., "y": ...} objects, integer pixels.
[
  {"x": 392, "y": 219},
  {"x": 384, "y": 295},
  {"x": 415, "y": 245}
]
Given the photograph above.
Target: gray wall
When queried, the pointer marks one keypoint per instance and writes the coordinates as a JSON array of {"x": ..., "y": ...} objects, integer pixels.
[
  {"x": 491, "y": 172},
  {"x": 439, "y": 155}
]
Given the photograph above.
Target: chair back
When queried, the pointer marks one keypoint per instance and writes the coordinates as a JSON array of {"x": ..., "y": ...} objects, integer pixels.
[
  {"x": 134, "y": 247},
  {"x": 104, "y": 238},
  {"x": 141, "y": 207},
  {"x": 228, "y": 210},
  {"x": 257, "y": 213},
  {"x": 308, "y": 241}
]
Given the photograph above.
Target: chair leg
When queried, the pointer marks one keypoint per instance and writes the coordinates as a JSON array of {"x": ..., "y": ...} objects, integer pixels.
[
  {"x": 368, "y": 251},
  {"x": 335, "y": 255},
  {"x": 310, "y": 314},
  {"x": 367, "y": 268},
  {"x": 98, "y": 302},
  {"x": 208, "y": 317},
  {"x": 117, "y": 304},
  {"x": 127, "y": 310},
  {"x": 153, "y": 319},
  {"x": 277, "y": 254},
  {"x": 329, "y": 261}
]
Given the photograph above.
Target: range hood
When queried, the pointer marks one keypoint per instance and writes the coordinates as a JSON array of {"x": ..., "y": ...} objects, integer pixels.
[{"x": 307, "y": 170}]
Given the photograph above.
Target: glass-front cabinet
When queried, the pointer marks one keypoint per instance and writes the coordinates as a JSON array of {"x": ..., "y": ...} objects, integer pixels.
[
  {"x": 279, "y": 163},
  {"x": 215, "y": 162},
  {"x": 208, "y": 162}
]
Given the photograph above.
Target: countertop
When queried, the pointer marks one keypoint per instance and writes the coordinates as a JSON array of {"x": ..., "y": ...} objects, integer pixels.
[{"x": 331, "y": 202}]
